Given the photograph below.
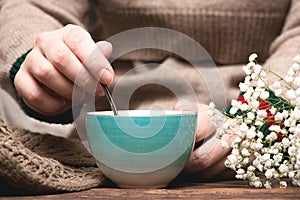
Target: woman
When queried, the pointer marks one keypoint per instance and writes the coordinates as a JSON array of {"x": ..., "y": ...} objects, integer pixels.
[{"x": 61, "y": 41}]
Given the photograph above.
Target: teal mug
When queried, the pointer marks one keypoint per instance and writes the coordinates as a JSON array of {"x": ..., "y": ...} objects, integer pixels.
[{"x": 141, "y": 148}]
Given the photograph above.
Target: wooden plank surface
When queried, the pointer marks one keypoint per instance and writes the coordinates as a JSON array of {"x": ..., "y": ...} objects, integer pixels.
[{"x": 216, "y": 190}]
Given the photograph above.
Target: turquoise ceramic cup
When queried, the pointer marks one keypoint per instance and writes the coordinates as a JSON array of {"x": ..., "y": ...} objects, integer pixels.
[{"x": 141, "y": 148}]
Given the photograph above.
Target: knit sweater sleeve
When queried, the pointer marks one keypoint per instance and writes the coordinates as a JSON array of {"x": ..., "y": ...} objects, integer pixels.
[
  {"x": 287, "y": 45},
  {"x": 22, "y": 20}
]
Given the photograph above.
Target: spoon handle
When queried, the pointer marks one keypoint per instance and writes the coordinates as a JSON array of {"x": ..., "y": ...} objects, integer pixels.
[{"x": 109, "y": 98}]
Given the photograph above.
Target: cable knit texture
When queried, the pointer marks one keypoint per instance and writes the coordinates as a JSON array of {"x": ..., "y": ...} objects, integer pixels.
[
  {"x": 229, "y": 30},
  {"x": 43, "y": 163}
]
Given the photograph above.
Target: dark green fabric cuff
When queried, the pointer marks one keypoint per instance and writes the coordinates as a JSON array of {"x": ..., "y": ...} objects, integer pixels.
[{"x": 64, "y": 118}]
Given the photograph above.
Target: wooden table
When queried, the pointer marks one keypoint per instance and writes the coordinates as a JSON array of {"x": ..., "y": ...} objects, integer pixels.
[{"x": 216, "y": 190}]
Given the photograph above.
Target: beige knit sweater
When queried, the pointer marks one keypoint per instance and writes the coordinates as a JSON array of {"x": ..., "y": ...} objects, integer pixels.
[{"x": 229, "y": 30}]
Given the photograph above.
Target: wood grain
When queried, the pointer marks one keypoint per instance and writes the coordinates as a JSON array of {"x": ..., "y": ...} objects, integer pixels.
[{"x": 217, "y": 190}]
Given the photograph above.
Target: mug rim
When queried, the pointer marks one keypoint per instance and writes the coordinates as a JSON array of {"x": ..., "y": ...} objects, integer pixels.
[{"x": 141, "y": 113}]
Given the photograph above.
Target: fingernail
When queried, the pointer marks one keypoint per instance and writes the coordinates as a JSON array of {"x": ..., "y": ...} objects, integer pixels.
[
  {"x": 105, "y": 45},
  {"x": 105, "y": 76}
]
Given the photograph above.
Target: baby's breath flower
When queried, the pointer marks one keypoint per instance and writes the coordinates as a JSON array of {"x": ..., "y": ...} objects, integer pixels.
[
  {"x": 252, "y": 57},
  {"x": 243, "y": 128},
  {"x": 297, "y": 91},
  {"x": 258, "y": 123},
  {"x": 295, "y": 67},
  {"x": 276, "y": 85},
  {"x": 254, "y": 103},
  {"x": 289, "y": 79},
  {"x": 257, "y": 184},
  {"x": 291, "y": 94},
  {"x": 257, "y": 69},
  {"x": 283, "y": 168},
  {"x": 233, "y": 110},
  {"x": 262, "y": 113},
  {"x": 285, "y": 142},
  {"x": 295, "y": 114},
  {"x": 273, "y": 110},
  {"x": 266, "y": 126},
  {"x": 278, "y": 158},
  {"x": 296, "y": 182},
  {"x": 296, "y": 81},
  {"x": 232, "y": 159},
  {"x": 248, "y": 69},
  {"x": 292, "y": 151},
  {"x": 269, "y": 173},
  {"x": 278, "y": 116},
  {"x": 268, "y": 164},
  {"x": 256, "y": 146},
  {"x": 264, "y": 95},
  {"x": 251, "y": 134},
  {"x": 251, "y": 115},
  {"x": 296, "y": 131},
  {"x": 224, "y": 144},
  {"x": 254, "y": 76},
  {"x": 283, "y": 184},
  {"x": 245, "y": 152},
  {"x": 263, "y": 74},
  {"x": 275, "y": 128},
  {"x": 245, "y": 161},
  {"x": 260, "y": 83},
  {"x": 247, "y": 80},
  {"x": 268, "y": 184},
  {"x": 243, "y": 87},
  {"x": 291, "y": 174},
  {"x": 272, "y": 136},
  {"x": 260, "y": 134},
  {"x": 210, "y": 113},
  {"x": 297, "y": 59},
  {"x": 240, "y": 174},
  {"x": 291, "y": 73},
  {"x": 287, "y": 123},
  {"x": 234, "y": 103},
  {"x": 251, "y": 168},
  {"x": 244, "y": 107},
  {"x": 285, "y": 114},
  {"x": 266, "y": 157},
  {"x": 212, "y": 105}
]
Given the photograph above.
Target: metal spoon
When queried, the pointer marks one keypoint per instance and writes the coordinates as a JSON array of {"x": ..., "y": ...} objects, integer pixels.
[{"x": 109, "y": 98}]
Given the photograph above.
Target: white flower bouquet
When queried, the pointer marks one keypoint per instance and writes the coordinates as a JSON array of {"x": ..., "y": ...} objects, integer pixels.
[{"x": 265, "y": 124}]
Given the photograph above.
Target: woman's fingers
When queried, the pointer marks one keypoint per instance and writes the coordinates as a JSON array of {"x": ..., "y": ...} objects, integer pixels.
[
  {"x": 218, "y": 171},
  {"x": 208, "y": 155},
  {"x": 204, "y": 125},
  {"x": 205, "y": 129},
  {"x": 62, "y": 60},
  {"x": 208, "y": 158},
  {"x": 83, "y": 46},
  {"x": 67, "y": 63},
  {"x": 35, "y": 96},
  {"x": 46, "y": 74}
]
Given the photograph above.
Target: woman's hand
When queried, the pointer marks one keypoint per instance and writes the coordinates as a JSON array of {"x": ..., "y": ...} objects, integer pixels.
[
  {"x": 207, "y": 159},
  {"x": 46, "y": 78}
]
